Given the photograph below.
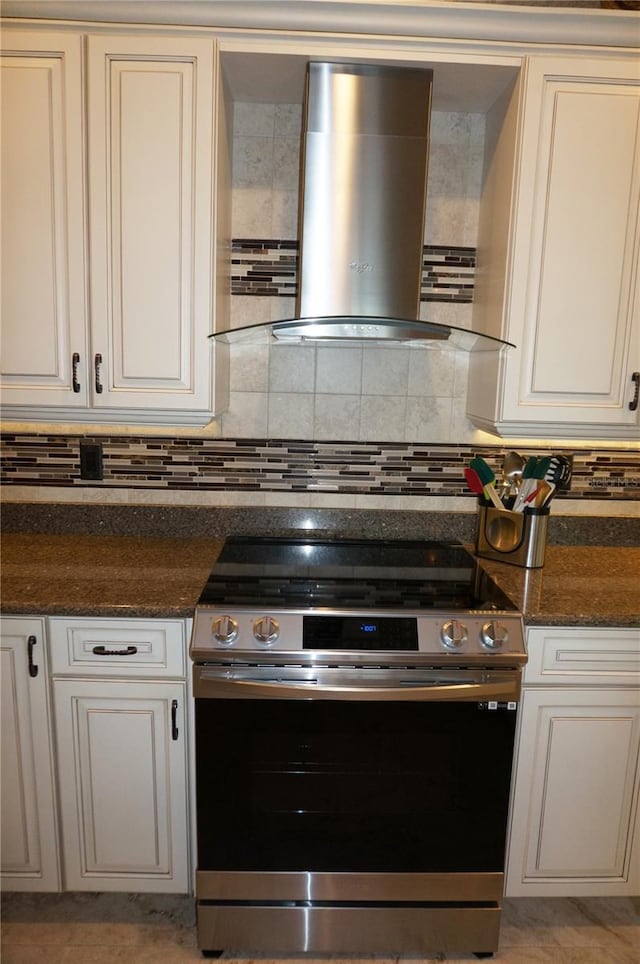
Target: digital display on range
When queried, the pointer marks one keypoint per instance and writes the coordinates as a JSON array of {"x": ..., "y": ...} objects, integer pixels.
[{"x": 360, "y": 632}]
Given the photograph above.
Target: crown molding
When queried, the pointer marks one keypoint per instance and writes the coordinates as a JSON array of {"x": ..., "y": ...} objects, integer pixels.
[{"x": 421, "y": 19}]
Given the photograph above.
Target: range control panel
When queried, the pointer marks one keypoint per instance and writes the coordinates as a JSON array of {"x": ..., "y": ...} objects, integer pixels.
[{"x": 472, "y": 637}]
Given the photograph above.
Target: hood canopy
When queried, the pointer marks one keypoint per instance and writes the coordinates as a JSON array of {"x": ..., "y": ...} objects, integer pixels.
[
  {"x": 363, "y": 180},
  {"x": 370, "y": 331}
]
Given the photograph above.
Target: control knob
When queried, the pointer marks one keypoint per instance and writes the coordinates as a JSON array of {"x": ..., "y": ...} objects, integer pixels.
[
  {"x": 494, "y": 635},
  {"x": 454, "y": 634},
  {"x": 224, "y": 630},
  {"x": 266, "y": 630}
]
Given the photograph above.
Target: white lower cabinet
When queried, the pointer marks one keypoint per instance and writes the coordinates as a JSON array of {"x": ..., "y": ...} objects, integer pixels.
[
  {"x": 119, "y": 698},
  {"x": 575, "y": 829},
  {"x": 27, "y": 788},
  {"x": 112, "y": 740},
  {"x": 122, "y": 774}
]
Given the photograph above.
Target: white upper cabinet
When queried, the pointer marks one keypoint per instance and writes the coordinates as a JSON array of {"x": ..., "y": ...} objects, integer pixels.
[
  {"x": 150, "y": 114},
  {"x": 43, "y": 292},
  {"x": 140, "y": 343},
  {"x": 570, "y": 302}
]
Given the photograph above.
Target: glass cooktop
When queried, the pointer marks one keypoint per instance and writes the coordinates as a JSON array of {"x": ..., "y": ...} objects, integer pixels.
[{"x": 350, "y": 574}]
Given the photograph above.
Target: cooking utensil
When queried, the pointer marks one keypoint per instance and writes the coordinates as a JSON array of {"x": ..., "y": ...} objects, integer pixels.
[
  {"x": 526, "y": 484},
  {"x": 473, "y": 481},
  {"x": 488, "y": 480},
  {"x": 559, "y": 471},
  {"x": 544, "y": 493},
  {"x": 512, "y": 469},
  {"x": 488, "y": 491},
  {"x": 534, "y": 471}
]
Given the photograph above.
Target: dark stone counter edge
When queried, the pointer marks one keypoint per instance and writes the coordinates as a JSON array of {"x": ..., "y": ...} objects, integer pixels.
[
  {"x": 185, "y": 612},
  {"x": 95, "y": 612},
  {"x": 210, "y": 522}
]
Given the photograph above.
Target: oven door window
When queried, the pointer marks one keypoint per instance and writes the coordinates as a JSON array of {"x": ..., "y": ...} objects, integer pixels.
[{"x": 303, "y": 785}]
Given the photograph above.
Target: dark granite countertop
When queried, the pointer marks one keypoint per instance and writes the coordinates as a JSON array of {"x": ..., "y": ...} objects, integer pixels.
[
  {"x": 577, "y": 586},
  {"x": 145, "y": 576},
  {"x": 92, "y": 575}
]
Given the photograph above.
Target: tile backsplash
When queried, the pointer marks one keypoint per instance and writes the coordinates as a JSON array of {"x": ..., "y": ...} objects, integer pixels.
[
  {"x": 254, "y": 467},
  {"x": 269, "y": 269}
]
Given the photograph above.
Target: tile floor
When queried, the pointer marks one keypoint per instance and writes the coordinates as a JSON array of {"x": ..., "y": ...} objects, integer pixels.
[{"x": 129, "y": 928}]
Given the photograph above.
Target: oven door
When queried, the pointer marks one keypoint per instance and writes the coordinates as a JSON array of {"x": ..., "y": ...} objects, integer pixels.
[{"x": 325, "y": 783}]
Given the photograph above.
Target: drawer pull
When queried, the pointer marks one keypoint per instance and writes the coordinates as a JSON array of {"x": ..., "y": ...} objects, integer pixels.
[
  {"x": 33, "y": 669},
  {"x": 174, "y": 724},
  {"x": 101, "y": 651}
]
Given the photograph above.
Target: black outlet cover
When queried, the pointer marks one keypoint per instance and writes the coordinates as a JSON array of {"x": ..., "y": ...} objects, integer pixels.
[{"x": 91, "y": 461}]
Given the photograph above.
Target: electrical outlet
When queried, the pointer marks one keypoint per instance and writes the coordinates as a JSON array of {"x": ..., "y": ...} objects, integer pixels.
[{"x": 91, "y": 461}]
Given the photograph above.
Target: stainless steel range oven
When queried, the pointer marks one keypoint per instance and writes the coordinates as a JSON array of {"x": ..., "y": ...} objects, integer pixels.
[{"x": 356, "y": 707}]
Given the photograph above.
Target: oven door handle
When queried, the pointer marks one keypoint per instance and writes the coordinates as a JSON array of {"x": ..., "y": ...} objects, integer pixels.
[{"x": 243, "y": 689}]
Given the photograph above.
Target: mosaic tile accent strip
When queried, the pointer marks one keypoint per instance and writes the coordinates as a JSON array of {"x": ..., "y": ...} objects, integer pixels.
[
  {"x": 261, "y": 465},
  {"x": 269, "y": 267}
]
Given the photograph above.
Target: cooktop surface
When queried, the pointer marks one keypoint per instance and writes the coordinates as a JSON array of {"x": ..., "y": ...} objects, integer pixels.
[{"x": 300, "y": 573}]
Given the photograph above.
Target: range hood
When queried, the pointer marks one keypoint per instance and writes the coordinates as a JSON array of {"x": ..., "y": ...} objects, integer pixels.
[{"x": 363, "y": 179}]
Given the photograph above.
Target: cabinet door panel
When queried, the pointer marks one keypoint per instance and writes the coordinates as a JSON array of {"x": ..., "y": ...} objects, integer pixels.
[
  {"x": 570, "y": 298},
  {"x": 572, "y": 311},
  {"x": 150, "y": 175},
  {"x": 27, "y": 800},
  {"x": 123, "y": 785},
  {"x": 43, "y": 310},
  {"x": 576, "y": 789},
  {"x": 586, "y": 225}
]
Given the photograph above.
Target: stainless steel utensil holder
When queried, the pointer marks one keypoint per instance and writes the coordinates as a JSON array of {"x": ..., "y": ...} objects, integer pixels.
[{"x": 519, "y": 538}]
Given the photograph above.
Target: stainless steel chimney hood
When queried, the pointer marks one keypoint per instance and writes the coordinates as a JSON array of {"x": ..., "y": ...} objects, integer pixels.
[{"x": 363, "y": 178}]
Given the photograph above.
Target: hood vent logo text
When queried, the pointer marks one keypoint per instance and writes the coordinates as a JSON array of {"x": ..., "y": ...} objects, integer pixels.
[{"x": 360, "y": 266}]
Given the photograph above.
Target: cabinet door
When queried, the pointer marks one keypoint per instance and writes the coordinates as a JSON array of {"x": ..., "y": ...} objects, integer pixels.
[
  {"x": 123, "y": 797},
  {"x": 576, "y": 795},
  {"x": 150, "y": 110},
  {"x": 43, "y": 292},
  {"x": 27, "y": 796},
  {"x": 573, "y": 309}
]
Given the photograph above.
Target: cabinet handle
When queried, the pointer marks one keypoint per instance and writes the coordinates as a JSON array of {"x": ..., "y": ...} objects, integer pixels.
[
  {"x": 633, "y": 404},
  {"x": 33, "y": 669},
  {"x": 97, "y": 362},
  {"x": 174, "y": 717},
  {"x": 101, "y": 651},
  {"x": 75, "y": 361}
]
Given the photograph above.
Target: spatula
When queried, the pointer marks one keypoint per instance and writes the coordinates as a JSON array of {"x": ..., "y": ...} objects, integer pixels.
[
  {"x": 559, "y": 471},
  {"x": 487, "y": 479},
  {"x": 532, "y": 473}
]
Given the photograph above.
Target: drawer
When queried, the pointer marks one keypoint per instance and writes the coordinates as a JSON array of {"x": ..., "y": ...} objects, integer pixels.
[
  {"x": 118, "y": 647},
  {"x": 583, "y": 656}
]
